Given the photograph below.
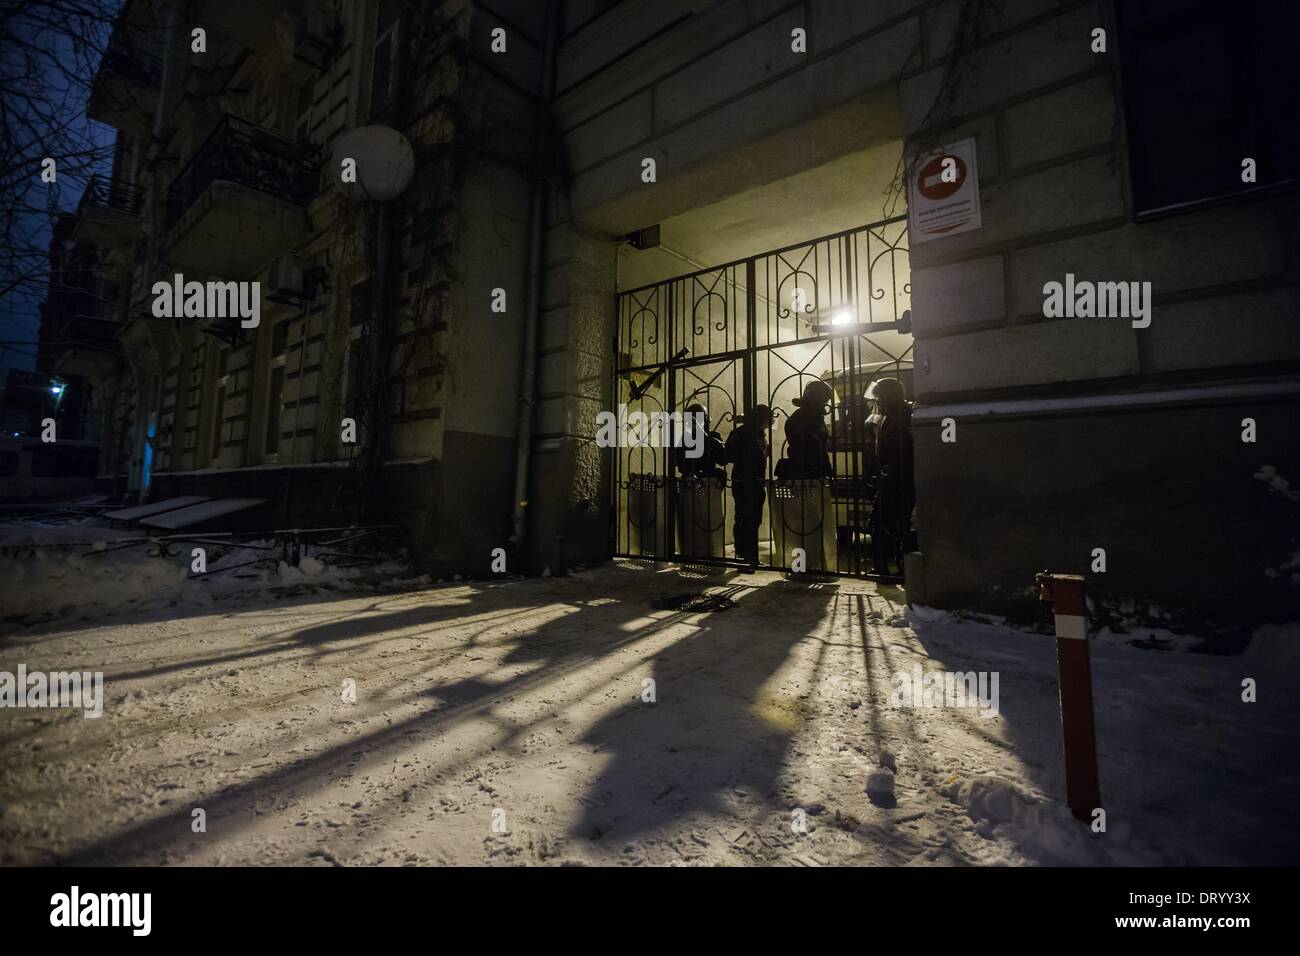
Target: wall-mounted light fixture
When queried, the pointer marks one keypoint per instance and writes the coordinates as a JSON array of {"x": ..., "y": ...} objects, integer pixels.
[{"x": 646, "y": 238}]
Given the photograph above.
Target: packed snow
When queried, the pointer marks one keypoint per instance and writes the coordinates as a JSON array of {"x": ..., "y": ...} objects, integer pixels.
[
  {"x": 88, "y": 568},
  {"x": 570, "y": 720}
]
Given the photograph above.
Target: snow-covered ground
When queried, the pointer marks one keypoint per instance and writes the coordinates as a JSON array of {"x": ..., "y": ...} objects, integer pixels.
[
  {"x": 513, "y": 722},
  {"x": 86, "y": 568}
]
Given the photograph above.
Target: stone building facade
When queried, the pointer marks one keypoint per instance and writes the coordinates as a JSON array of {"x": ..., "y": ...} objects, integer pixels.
[
  {"x": 770, "y": 122},
  {"x": 1073, "y": 434},
  {"x": 226, "y": 169}
]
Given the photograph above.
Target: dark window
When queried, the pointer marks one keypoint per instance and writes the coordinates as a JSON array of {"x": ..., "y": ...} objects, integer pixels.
[
  {"x": 360, "y": 303},
  {"x": 354, "y": 379},
  {"x": 1208, "y": 84},
  {"x": 273, "y": 410},
  {"x": 306, "y": 93},
  {"x": 219, "y": 421},
  {"x": 279, "y": 338},
  {"x": 8, "y": 463},
  {"x": 219, "y": 415}
]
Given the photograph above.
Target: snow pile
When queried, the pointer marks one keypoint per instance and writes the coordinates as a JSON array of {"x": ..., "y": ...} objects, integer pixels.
[
  {"x": 1274, "y": 652},
  {"x": 1155, "y": 638},
  {"x": 86, "y": 569},
  {"x": 928, "y": 615},
  {"x": 1290, "y": 568},
  {"x": 1041, "y": 831},
  {"x": 1276, "y": 483}
]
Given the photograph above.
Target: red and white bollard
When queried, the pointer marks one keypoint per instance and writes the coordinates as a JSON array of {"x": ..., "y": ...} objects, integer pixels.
[{"x": 1065, "y": 593}]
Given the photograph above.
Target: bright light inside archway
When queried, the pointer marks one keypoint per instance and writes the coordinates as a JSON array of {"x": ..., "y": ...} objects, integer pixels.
[{"x": 843, "y": 317}]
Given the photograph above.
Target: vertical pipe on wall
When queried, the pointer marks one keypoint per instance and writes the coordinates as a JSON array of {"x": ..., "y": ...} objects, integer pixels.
[
  {"x": 172, "y": 69},
  {"x": 533, "y": 300}
]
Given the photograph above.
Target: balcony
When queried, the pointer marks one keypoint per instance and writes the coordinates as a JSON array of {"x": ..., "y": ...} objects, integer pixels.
[
  {"x": 81, "y": 327},
  {"x": 241, "y": 201},
  {"x": 91, "y": 334},
  {"x": 124, "y": 93},
  {"x": 108, "y": 215}
]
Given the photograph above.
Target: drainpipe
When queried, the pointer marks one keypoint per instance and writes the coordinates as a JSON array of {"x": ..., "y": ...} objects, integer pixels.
[
  {"x": 173, "y": 68},
  {"x": 533, "y": 295}
]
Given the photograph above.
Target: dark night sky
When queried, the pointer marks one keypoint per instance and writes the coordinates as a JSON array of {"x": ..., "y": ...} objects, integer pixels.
[{"x": 20, "y": 310}]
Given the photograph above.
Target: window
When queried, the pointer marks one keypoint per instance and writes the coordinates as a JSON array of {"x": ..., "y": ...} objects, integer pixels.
[
  {"x": 274, "y": 402},
  {"x": 1206, "y": 85},
  {"x": 306, "y": 93},
  {"x": 275, "y": 386},
  {"x": 219, "y": 412},
  {"x": 193, "y": 400},
  {"x": 280, "y": 339},
  {"x": 352, "y": 379},
  {"x": 359, "y": 304}
]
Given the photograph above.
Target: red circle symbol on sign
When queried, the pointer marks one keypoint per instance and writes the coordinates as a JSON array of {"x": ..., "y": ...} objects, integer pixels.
[{"x": 930, "y": 182}]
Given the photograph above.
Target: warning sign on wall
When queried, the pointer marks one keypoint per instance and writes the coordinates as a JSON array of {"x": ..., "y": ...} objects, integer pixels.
[{"x": 943, "y": 193}]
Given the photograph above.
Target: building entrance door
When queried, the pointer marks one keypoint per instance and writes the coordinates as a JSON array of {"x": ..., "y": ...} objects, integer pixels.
[{"x": 805, "y": 330}]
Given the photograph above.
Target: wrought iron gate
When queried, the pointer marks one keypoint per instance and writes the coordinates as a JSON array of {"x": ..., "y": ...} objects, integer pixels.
[{"x": 754, "y": 332}]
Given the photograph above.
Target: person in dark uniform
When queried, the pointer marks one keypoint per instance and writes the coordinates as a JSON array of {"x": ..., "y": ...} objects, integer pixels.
[
  {"x": 713, "y": 455},
  {"x": 895, "y": 489},
  {"x": 746, "y": 450},
  {"x": 807, "y": 438},
  {"x": 859, "y": 432}
]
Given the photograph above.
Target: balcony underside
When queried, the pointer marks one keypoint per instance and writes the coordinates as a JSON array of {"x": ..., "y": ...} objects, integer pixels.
[
  {"x": 122, "y": 102},
  {"x": 232, "y": 231},
  {"x": 106, "y": 227},
  {"x": 88, "y": 346},
  {"x": 86, "y": 363}
]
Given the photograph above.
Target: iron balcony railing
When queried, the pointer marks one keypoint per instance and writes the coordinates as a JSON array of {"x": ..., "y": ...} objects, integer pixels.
[
  {"x": 240, "y": 152},
  {"x": 69, "y": 329},
  {"x": 89, "y": 332},
  {"x": 116, "y": 194},
  {"x": 85, "y": 309}
]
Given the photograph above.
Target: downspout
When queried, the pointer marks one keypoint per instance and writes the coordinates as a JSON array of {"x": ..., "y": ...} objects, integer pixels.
[
  {"x": 533, "y": 295},
  {"x": 172, "y": 68}
]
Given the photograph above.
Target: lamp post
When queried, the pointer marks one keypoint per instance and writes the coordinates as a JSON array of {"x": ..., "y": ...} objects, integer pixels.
[{"x": 382, "y": 166}]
